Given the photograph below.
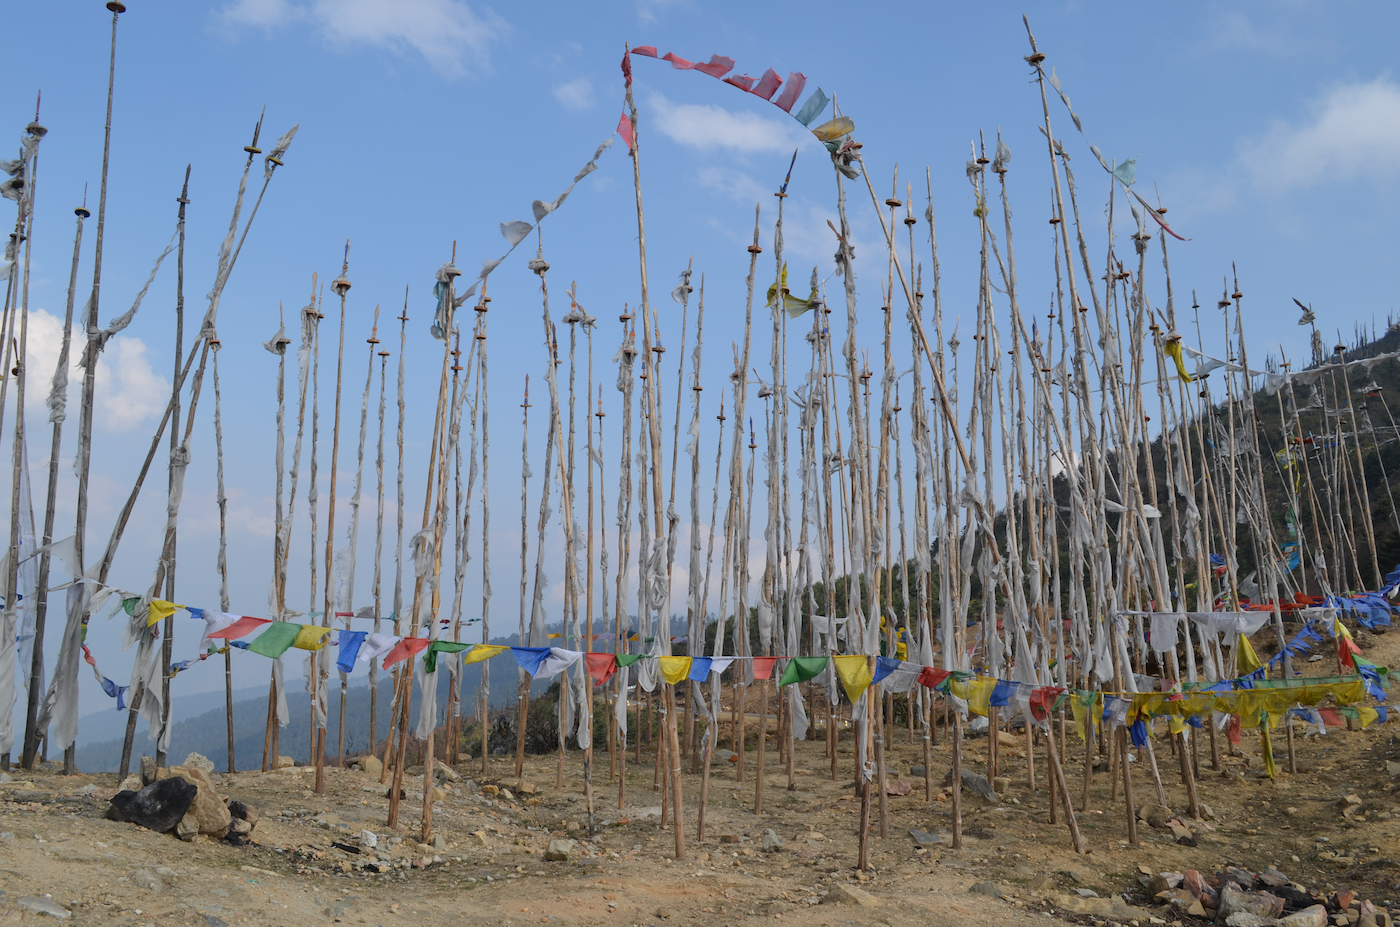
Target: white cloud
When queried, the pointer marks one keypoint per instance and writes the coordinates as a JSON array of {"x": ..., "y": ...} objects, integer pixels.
[
  {"x": 576, "y": 94},
  {"x": 128, "y": 391},
  {"x": 448, "y": 34},
  {"x": 1352, "y": 129},
  {"x": 706, "y": 126}
]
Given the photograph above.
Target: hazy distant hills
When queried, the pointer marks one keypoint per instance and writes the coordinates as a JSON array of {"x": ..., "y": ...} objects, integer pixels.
[{"x": 200, "y": 726}]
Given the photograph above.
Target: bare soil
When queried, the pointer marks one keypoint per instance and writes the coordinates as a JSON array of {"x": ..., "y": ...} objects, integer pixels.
[{"x": 55, "y": 841}]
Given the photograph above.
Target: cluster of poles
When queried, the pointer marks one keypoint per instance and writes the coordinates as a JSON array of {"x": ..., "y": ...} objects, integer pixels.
[{"x": 1045, "y": 516}]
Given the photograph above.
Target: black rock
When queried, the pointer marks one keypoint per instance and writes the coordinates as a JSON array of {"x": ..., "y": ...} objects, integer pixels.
[{"x": 157, "y": 807}]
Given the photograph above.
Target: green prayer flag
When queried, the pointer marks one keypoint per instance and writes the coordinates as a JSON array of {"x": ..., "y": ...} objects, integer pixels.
[
  {"x": 436, "y": 647},
  {"x": 801, "y": 669},
  {"x": 627, "y": 659},
  {"x": 276, "y": 640}
]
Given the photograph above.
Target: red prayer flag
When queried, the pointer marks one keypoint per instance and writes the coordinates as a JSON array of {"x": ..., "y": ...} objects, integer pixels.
[
  {"x": 624, "y": 128},
  {"x": 930, "y": 677},
  {"x": 1331, "y": 716},
  {"x": 87, "y": 655},
  {"x": 242, "y": 627},
  {"x": 405, "y": 649},
  {"x": 677, "y": 62},
  {"x": 627, "y": 69},
  {"x": 1232, "y": 730},
  {"x": 744, "y": 83},
  {"x": 601, "y": 666},
  {"x": 763, "y": 667},
  {"x": 1042, "y": 700},
  {"x": 648, "y": 50},
  {"x": 795, "y": 82},
  {"x": 768, "y": 84},
  {"x": 717, "y": 66}
]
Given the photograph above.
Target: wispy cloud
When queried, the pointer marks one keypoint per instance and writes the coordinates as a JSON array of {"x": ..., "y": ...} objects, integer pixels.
[
  {"x": 576, "y": 94},
  {"x": 448, "y": 34},
  {"x": 1349, "y": 130},
  {"x": 648, "y": 11},
  {"x": 706, "y": 126}
]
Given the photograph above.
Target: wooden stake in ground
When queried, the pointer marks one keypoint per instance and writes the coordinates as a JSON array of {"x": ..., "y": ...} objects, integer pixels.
[
  {"x": 340, "y": 286},
  {"x": 672, "y": 736}
]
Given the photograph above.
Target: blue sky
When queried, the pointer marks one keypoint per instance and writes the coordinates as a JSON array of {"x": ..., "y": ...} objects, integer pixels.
[{"x": 1270, "y": 130}]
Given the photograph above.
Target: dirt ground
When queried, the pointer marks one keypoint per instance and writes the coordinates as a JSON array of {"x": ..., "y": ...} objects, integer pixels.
[{"x": 490, "y": 867}]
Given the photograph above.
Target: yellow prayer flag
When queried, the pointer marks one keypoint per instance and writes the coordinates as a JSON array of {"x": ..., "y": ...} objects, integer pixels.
[
  {"x": 674, "y": 669},
  {"x": 160, "y": 610},
  {"x": 311, "y": 637},
  {"x": 854, "y": 672},
  {"x": 1368, "y": 715},
  {"x": 1246, "y": 660},
  {"x": 482, "y": 652},
  {"x": 1172, "y": 348},
  {"x": 979, "y": 695}
]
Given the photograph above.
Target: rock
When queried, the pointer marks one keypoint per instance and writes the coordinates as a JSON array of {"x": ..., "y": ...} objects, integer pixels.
[
  {"x": 1241, "y": 877},
  {"x": 772, "y": 843},
  {"x": 1001, "y": 785},
  {"x": 439, "y": 843},
  {"x": 370, "y": 764},
  {"x": 1241, "y": 919},
  {"x": 199, "y": 761},
  {"x": 841, "y": 893},
  {"x": 1114, "y": 907},
  {"x": 507, "y": 795},
  {"x": 917, "y": 772},
  {"x": 1314, "y": 916},
  {"x": 45, "y": 906},
  {"x": 923, "y": 838},
  {"x": 148, "y": 770},
  {"x": 559, "y": 849},
  {"x": 1086, "y": 893},
  {"x": 1234, "y": 900},
  {"x": 1008, "y": 740},
  {"x": 728, "y": 838},
  {"x": 1392, "y": 767},
  {"x": 1041, "y": 883},
  {"x": 368, "y": 840},
  {"x": 157, "y": 807},
  {"x": 897, "y": 787},
  {"x": 145, "y": 878},
  {"x": 985, "y": 888},
  {"x": 1350, "y": 801},
  {"x": 1178, "y": 899},
  {"x": 722, "y": 756},
  {"x": 976, "y": 784},
  {"x": 188, "y": 827},
  {"x": 284, "y": 762},
  {"x": 208, "y": 806},
  {"x": 131, "y": 784},
  {"x": 437, "y": 795},
  {"x": 244, "y": 812},
  {"x": 1164, "y": 881},
  {"x": 490, "y": 790},
  {"x": 526, "y": 788},
  {"x": 1192, "y": 881},
  {"x": 1154, "y": 815},
  {"x": 1206, "y": 813},
  {"x": 1273, "y": 878},
  {"x": 239, "y": 828},
  {"x": 446, "y": 772}
]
